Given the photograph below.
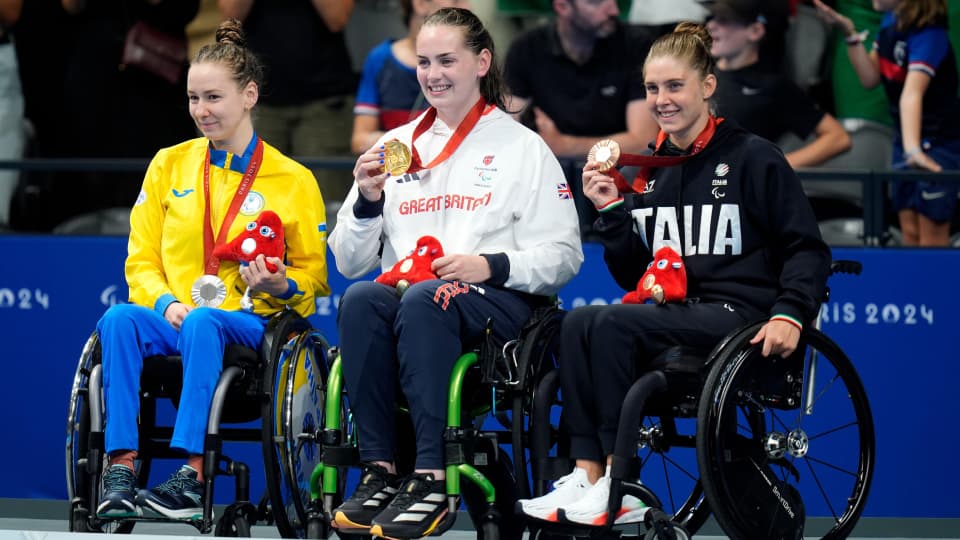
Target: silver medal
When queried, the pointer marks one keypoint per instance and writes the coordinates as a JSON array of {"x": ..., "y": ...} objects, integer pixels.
[{"x": 208, "y": 291}]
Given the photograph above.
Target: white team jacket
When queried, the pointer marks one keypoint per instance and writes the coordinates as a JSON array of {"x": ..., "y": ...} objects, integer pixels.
[{"x": 502, "y": 191}]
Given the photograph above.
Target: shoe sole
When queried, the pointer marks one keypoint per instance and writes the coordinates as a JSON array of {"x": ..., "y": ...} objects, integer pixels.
[
  {"x": 117, "y": 514},
  {"x": 190, "y": 514},
  {"x": 624, "y": 517},
  {"x": 521, "y": 511},
  {"x": 105, "y": 512},
  {"x": 342, "y": 522},
  {"x": 434, "y": 528}
]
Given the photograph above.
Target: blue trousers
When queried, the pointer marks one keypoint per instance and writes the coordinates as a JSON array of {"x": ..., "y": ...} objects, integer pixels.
[
  {"x": 130, "y": 333},
  {"x": 411, "y": 343}
]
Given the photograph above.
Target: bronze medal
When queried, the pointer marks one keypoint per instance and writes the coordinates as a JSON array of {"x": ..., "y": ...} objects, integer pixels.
[
  {"x": 606, "y": 153},
  {"x": 656, "y": 292},
  {"x": 396, "y": 157},
  {"x": 208, "y": 291}
]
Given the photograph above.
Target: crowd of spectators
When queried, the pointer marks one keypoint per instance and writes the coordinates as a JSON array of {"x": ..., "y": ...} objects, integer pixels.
[{"x": 572, "y": 68}]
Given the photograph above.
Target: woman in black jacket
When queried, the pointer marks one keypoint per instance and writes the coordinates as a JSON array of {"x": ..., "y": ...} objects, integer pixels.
[{"x": 731, "y": 206}]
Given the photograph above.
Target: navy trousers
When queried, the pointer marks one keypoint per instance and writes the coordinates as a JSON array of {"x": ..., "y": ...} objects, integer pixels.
[{"x": 409, "y": 344}]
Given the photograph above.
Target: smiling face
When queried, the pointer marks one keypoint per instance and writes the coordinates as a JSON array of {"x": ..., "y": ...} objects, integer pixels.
[
  {"x": 219, "y": 108},
  {"x": 448, "y": 72},
  {"x": 733, "y": 40},
  {"x": 678, "y": 98}
]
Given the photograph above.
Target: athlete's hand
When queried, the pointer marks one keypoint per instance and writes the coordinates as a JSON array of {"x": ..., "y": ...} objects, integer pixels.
[
  {"x": 175, "y": 313},
  {"x": 369, "y": 174},
  {"x": 778, "y": 337},
  {"x": 260, "y": 279},
  {"x": 597, "y": 186},
  {"x": 467, "y": 268}
]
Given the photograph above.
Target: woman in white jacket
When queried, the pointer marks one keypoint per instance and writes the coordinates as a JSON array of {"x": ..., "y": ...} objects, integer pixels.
[{"x": 495, "y": 196}]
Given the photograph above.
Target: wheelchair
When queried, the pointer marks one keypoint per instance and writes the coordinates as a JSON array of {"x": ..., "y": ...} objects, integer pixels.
[
  {"x": 288, "y": 357},
  {"x": 733, "y": 433},
  {"x": 491, "y": 398}
]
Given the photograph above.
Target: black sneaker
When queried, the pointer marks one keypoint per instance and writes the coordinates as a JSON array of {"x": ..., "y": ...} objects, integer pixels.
[
  {"x": 180, "y": 497},
  {"x": 418, "y": 510},
  {"x": 374, "y": 492},
  {"x": 118, "y": 498}
]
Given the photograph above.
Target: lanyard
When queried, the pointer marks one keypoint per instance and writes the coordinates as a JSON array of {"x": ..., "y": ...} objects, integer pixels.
[
  {"x": 648, "y": 163},
  {"x": 211, "y": 264},
  {"x": 461, "y": 132}
]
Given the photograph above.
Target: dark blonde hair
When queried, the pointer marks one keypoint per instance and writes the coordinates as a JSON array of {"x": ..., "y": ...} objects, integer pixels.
[
  {"x": 230, "y": 49},
  {"x": 476, "y": 39},
  {"x": 917, "y": 14},
  {"x": 689, "y": 42}
]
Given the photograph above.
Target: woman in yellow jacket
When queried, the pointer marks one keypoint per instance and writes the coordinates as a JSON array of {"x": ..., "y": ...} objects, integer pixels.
[{"x": 198, "y": 195}]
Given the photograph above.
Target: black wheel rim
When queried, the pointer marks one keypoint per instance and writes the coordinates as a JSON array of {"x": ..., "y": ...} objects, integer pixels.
[
  {"x": 830, "y": 454},
  {"x": 668, "y": 461}
]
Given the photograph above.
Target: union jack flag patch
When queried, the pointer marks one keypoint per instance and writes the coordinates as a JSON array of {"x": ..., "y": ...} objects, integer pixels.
[{"x": 563, "y": 191}]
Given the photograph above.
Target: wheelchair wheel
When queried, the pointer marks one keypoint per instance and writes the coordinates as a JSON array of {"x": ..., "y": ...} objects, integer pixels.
[
  {"x": 678, "y": 534},
  {"x": 501, "y": 474},
  {"x": 235, "y": 526},
  {"x": 766, "y": 460},
  {"x": 668, "y": 464},
  {"x": 293, "y": 419},
  {"x": 81, "y": 483},
  {"x": 534, "y": 404}
]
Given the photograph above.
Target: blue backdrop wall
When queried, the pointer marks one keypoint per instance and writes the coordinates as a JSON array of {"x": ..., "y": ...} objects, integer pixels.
[{"x": 898, "y": 322}]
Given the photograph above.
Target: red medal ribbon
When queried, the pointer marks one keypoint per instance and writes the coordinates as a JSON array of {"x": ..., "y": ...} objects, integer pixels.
[
  {"x": 459, "y": 134},
  {"x": 648, "y": 163},
  {"x": 211, "y": 264}
]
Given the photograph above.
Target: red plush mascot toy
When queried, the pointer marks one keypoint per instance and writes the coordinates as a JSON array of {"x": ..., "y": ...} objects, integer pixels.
[
  {"x": 262, "y": 236},
  {"x": 664, "y": 281},
  {"x": 414, "y": 267}
]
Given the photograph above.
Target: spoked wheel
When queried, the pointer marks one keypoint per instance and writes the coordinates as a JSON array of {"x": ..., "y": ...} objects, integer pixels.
[
  {"x": 298, "y": 389},
  {"x": 508, "y": 525},
  {"x": 783, "y": 438},
  {"x": 233, "y": 526},
  {"x": 317, "y": 527},
  {"x": 660, "y": 527},
  {"x": 82, "y": 508},
  {"x": 668, "y": 460},
  {"x": 678, "y": 533}
]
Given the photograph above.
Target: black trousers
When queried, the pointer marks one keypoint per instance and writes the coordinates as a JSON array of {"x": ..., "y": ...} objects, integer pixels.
[{"x": 603, "y": 350}]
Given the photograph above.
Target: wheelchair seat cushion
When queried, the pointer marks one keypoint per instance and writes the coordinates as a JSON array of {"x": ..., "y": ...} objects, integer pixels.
[
  {"x": 162, "y": 377},
  {"x": 681, "y": 359}
]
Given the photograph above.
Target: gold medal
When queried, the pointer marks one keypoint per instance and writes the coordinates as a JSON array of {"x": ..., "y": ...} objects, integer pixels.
[
  {"x": 648, "y": 282},
  {"x": 208, "y": 291},
  {"x": 606, "y": 153},
  {"x": 396, "y": 157}
]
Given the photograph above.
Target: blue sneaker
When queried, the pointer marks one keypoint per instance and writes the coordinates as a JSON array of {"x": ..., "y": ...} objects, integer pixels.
[
  {"x": 180, "y": 497},
  {"x": 119, "y": 492}
]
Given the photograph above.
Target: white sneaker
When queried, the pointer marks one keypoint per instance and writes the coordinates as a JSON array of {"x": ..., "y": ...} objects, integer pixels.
[
  {"x": 591, "y": 508},
  {"x": 566, "y": 490}
]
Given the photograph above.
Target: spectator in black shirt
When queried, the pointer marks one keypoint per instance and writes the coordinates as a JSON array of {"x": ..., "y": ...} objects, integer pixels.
[{"x": 755, "y": 94}]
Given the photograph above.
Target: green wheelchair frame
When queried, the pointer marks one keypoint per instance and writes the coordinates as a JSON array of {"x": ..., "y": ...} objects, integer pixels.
[{"x": 467, "y": 449}]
